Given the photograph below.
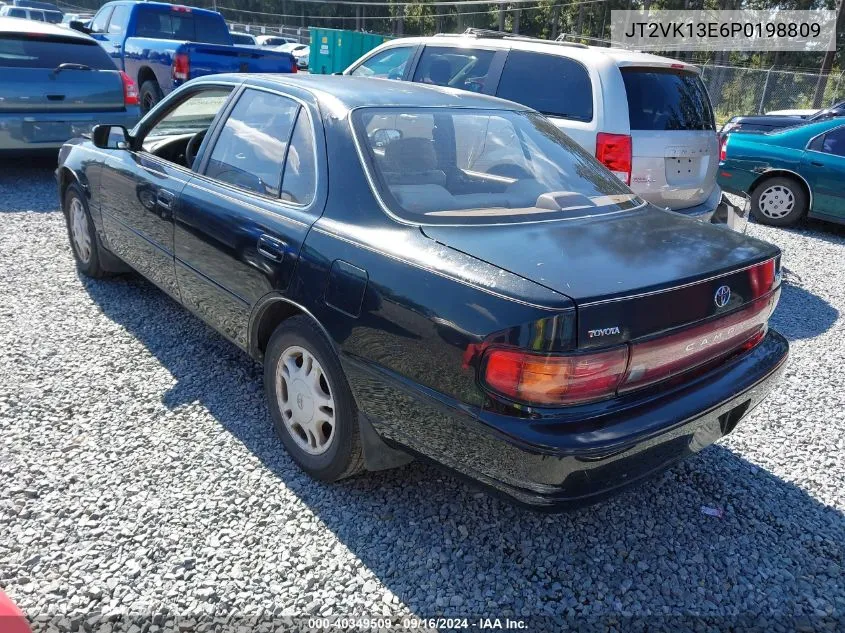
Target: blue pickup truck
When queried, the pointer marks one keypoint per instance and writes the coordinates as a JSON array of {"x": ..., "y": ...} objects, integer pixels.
[{"x": 161, "y": 46}]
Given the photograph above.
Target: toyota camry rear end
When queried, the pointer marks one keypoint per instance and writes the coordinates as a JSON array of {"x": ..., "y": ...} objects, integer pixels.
[{"x": 623, "y": 337}]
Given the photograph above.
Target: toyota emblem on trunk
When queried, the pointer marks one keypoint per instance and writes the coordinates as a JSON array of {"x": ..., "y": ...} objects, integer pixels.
[{"x": 723, "y": 295}]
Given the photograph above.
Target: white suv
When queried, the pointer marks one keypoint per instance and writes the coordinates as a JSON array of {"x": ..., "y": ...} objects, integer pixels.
[{"x": 647, "y": 118}]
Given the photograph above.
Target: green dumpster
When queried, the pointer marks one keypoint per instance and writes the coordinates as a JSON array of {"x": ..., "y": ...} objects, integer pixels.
[{"x": 333, "y": 50}]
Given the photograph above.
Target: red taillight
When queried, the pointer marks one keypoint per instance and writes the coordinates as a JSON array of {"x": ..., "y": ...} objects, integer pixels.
[
  {"x": 614, "y": 152},
  {"x": 130, "y": 90},
  {"x": 668, "y": 356},
  {"x": 181, "y": 67},
  {"x": 554, "y": 380},
  {"x": 293, "y": 67},
  {"x": 761, "y": 278},
  {"x": 723, "y": 148},
  {"x": 180, "y": 8}
]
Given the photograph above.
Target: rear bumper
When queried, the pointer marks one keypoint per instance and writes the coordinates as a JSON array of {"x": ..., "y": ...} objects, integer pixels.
[
  {"x": 41, "y": 131},
  {"x": 559, "y": 460},
  {"x": 721, "y": 210}
]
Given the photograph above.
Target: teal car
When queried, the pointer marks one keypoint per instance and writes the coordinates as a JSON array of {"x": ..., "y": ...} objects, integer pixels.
[{"x": 792, "y": 173}]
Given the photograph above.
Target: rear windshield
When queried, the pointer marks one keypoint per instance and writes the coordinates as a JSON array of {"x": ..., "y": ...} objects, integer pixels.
[
  {"x": 462, "y": 166},
  {"x": 182, "y": 25},
  {"x": 240, "y": 38},
  {"x": 54, "y": 17},
  {"x": 667, "y": 99},
  {"x": 49, "y": 52}
]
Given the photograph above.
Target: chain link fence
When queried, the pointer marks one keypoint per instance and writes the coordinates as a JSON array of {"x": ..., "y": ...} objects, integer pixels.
[{"x": 734, "y": 90}]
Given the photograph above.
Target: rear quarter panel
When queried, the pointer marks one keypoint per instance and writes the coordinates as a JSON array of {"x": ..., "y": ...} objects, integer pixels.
[
  {"x": 751, "y": 155},
  {"x": 155, "y": 54}
]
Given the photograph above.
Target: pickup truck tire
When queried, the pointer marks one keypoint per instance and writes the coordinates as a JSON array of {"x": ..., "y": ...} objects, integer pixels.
[
  {"x": 150, "y": 95},
  {"x": 311, "y": 405},
  {"x": 779, "y": 201}
]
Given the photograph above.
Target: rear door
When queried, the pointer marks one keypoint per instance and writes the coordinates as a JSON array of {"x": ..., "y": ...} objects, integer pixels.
[
  {"x": 474, "y": 69},
  {"x": 115, "y": 33},
  {"x": 824, "y": 168},
  {"x": 675, "y": 150},
  {"x": 243, "y": 218}
]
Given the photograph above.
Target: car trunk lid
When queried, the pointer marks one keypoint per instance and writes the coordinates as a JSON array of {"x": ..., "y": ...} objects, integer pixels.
[
  {"x": 632, "y": 275},
  {"x": 674, "y": 146}
]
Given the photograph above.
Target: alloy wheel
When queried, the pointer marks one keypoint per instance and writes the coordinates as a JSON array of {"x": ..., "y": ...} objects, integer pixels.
[
  {"x": 79, "y": 230},
  {"x": 305, "y": 400},
  {"x": 776, "y": 202}
]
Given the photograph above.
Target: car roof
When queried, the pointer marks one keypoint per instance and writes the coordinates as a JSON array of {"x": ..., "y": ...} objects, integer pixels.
[
  {"x": 19, "y": 25},
  {"x": 588, "y": 55},
  {"x": 355, "y": 92}
]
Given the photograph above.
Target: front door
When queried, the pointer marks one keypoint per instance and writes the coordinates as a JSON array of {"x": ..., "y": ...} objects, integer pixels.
[
  {"x": 242, "y": 220},
  {"x": 824, "y": 168},
  {"x": 140, "y": 188}
]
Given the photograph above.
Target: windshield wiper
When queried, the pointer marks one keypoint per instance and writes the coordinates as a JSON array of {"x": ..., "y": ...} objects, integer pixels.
[{"x": 69, "y": 66}]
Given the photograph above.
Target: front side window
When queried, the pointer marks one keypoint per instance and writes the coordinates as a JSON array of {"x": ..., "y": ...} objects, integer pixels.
[
  {"x": 667, "y": 99},
  {"x": 177, "y": 135},
  {"x": 119, "y": 18},
  {"x": 98, "y": 24},
  {"x": 551, "y": 84},
  {"x": 439, "y": 165},
  {"x": 388, "y": 64},
  {"x": 463, "y": 68},
  {"x": 250, "y": 151}
]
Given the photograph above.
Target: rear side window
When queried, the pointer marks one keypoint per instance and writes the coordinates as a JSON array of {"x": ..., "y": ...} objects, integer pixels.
[
  {"x": 250, "y": 150},
  {"x": 462, "y": 68},
  {"x": 49, "y": 52},
  {"x": 553, "y": 85},
  {"x": 181, "y": 25},
  {"x": 53, "y": 17},
  {"x": 17, "y": 13},
  {"x": 665, "y": 99},
  {"x": 300, "y": 179}
]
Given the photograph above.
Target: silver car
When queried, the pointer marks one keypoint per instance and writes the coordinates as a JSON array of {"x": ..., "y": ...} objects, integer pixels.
[{"x": 57, "y": 84}]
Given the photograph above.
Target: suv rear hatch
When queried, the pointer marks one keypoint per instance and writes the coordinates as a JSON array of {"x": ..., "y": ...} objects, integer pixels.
[
  {"x": 643, "y": 275},
  {"x": 33, "y": 81},
  {"x": 674, "y": 146}
]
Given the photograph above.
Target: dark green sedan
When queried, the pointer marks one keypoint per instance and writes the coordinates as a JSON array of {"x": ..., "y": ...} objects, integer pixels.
[{"x": 790, "y": 174}]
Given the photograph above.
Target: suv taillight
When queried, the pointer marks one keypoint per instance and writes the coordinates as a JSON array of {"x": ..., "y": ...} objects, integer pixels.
[
  {"x": 723, "y": 148},
  {"x": 181, "y": 67},
  {"x": 614, "y": 152},
  {"x": 130, "y": 90}
]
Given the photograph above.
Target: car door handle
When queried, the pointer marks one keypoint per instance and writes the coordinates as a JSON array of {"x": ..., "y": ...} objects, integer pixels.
[
  {"x": 164, "y": 199},
  {"x": 271, "y": 248},
  {"x": 816, "y": 163}
]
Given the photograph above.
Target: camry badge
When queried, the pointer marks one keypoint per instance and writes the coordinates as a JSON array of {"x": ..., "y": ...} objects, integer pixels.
[{"x": 723, "y": 295}]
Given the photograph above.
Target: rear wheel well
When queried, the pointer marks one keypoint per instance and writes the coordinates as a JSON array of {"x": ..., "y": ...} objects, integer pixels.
[
  {"x": 146, "y": 74},
  {"x": 779, "y": 173},
  {"x": 268, "y": 320}
]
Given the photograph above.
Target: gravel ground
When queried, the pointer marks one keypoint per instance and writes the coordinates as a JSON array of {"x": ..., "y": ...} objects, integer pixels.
[{"x": 140, "y": 475}]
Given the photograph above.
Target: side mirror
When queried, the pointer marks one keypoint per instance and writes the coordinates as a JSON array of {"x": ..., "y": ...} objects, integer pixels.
[
  {"x": 110, "y": 137},
  {"x": 78, "y": 25}
]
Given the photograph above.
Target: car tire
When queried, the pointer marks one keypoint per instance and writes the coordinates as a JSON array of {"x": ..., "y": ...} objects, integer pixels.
[
  {"x": 314, "y": 415},
  {"x": 86, "y": 247},
  {"x": 779, "y": 201},
  {"x": 149, "y": 95}
]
